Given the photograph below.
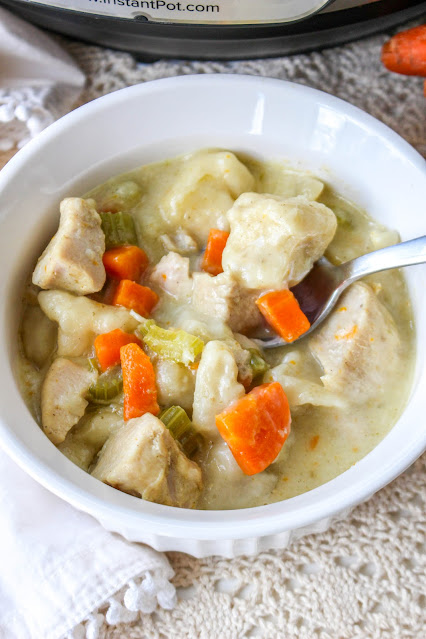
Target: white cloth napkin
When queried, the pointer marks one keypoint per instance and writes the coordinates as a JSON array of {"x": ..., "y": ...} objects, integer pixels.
[
  {"x": 39, "y": 81},
  {"x": 62, "y": 574}
]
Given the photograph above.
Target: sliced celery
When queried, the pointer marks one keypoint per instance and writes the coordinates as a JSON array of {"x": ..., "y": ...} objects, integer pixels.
[
  {"x": 176, "y": 420},
  {"x": 257, "y": 363},
  {"x": 177, "y": 345},
  {"x": 144, "y": 327},
  {"x": 191, "y": 442},
  {"x": 180, "y": 426},
  {"x": 119, "y": 229},
  {"x": 93, "y": 364},
  {"x": 107, "y": 386}
]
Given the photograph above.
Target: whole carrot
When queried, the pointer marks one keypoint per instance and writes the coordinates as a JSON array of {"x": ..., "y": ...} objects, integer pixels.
[{"x": 405, "y": 52}]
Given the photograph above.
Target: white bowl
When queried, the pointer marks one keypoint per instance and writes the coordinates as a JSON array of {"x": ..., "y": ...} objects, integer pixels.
[{"x": 267, "y": 118}]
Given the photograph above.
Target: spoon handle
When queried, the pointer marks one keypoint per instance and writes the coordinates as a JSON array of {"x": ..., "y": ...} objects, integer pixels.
[{"x": 403, "y": 254}]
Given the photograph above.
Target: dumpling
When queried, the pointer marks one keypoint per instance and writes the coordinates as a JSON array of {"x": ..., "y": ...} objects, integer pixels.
[
  {"x": 80, "y": 319},
  {"x": 275, "y": 241},
  {"x": 216, "y": 386},
  {"x": 301, "y": 387},
  {"x": 203, "y": 192},
  {"x": 226, "y": 486},
  {"x": 175, "y": 383}
]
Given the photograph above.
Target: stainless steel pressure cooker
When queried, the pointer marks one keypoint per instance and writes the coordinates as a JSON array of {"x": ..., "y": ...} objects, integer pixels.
[{"x": 216, "y": 29}]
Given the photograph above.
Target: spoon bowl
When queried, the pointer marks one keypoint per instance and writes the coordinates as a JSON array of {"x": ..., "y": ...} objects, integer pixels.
[{"x": 319, "y": 291}]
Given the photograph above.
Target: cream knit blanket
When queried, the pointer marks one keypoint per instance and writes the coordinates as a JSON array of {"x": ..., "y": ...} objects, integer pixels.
[{"x": 365, "y": 577}]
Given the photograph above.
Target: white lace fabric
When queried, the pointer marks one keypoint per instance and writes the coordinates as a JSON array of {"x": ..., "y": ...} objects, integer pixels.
[
  {"x": 25, "y": 111},
  {"x": 364, "y": 578},
  {"x": 39, "y": 81},
  {"x": 140, "y": 596}
]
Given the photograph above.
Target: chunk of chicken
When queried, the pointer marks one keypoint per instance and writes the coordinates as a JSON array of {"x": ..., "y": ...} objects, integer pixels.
[
  {"x": 171, "y": 275},
  {"x": 226, "y": 486},
  {"x": 242, "y": 358},
  {"x": 85, "y": 440},
  {"x": 274, "y": 241},
  {"x": 72, "y": 260},
  {"x": 80, "y": 319},
  {"x": 203, "y": 192},
  {"x": 216, "y": 387},
  {"x": 358, "y": 346},
  {"x": 143, "y": 459},
  {"x": 224, "y": 298},
  {"x": 63, "y": 397},
  {"x": 175, "y": 383}
]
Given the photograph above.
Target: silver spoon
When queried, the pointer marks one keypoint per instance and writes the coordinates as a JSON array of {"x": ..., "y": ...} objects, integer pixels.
[{"x": 319, "y": 291}]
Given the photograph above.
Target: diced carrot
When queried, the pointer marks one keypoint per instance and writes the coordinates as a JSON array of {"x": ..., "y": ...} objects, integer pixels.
[
  {"x": 256, "y": 426},
  {"x": 107, "y": 347},
  {"x": 140, "y": 391},
  {"x": 405, "y": 52},
  {"x": 125, "y": 262},
  {"x": 134, "y": 296},
  {"x": 282, "y": 311},
  {"x": 212, "y": 260}
]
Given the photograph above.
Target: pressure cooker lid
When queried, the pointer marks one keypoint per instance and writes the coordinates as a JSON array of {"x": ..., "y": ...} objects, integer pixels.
[
  {"x": 197, "y": 11},
  {"x": 216, "y": 29}
]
